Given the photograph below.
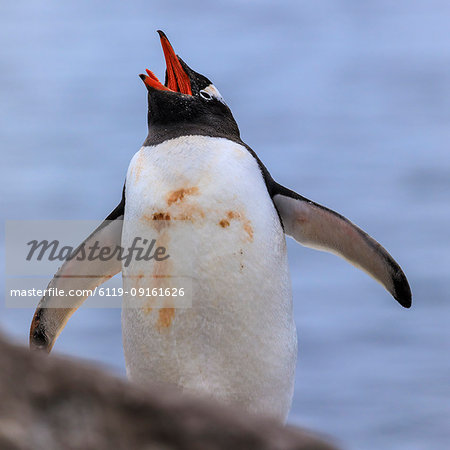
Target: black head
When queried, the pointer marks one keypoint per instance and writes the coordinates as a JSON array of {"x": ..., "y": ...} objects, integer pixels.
[{"x": 187, "y": 104}]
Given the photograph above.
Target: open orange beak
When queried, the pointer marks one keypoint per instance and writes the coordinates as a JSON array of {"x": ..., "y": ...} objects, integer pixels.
[{"x": 177, "y": 78}]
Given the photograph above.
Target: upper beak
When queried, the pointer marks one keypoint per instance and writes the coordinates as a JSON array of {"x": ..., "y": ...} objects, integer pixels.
[{"x": 177, "y": 78}]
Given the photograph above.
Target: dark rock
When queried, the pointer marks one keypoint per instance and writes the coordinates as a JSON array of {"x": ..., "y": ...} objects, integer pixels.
[{"x": 54, "y": 403}]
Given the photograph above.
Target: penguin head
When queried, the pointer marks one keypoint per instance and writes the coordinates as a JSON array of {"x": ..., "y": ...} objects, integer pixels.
[{"x": 187, "y": 99}]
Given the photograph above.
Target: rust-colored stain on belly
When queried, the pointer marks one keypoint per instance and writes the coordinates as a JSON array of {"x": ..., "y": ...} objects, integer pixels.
[
  {"x": 233, "y": 215},
  {"x": 161, "y": 276},
  {"x": 191, "y": 212},
  {"x": 160, "y": 216},
  {"x": 157, "y": 220},
  {"x": 248, "y": 229},
  {"x": 180, "y": 194},
  {"x": 246, "y": 224},
  {"x": 138, "y": 167},
  {"x": 147, "y": 309},
  {"x": 165, "y": 318},
  {"x": 178, "y": 209},
  {"x": 224, "y": 223}
]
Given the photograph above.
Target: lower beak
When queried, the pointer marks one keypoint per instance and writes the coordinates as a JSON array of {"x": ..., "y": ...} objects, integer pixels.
[{"x": 177, "y": 78}]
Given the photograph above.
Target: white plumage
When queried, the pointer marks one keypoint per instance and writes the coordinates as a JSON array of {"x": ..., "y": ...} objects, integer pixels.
[{"x": 238, "y": 340}]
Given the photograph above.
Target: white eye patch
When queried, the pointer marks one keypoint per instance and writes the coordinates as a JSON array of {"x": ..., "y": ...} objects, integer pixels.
[{"x": 212, "y": 91}]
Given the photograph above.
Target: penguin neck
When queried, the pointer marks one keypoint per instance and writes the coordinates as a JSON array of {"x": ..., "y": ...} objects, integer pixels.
[{"x": 158, "y": 133}]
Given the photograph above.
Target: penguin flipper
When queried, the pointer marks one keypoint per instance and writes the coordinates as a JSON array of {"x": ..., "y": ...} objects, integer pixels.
[
  {"x": 318, "y": 227},
  {"x": 51, "y": 315}
]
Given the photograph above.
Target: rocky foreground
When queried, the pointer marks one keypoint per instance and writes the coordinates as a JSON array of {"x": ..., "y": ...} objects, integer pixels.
[{"x": 54, "y": 403}]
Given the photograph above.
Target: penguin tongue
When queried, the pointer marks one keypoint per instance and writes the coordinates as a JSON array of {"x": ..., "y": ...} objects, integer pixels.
[
  {"x": 177, "y": 79},
  {"x": 152, "y": 80}
]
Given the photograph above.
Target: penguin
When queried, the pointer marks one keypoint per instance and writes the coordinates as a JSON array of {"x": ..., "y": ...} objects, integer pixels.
[{"x": 213, "y": 205}]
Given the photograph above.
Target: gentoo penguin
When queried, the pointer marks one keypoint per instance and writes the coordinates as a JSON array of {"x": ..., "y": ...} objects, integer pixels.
[{"x": 211, "y": 202}]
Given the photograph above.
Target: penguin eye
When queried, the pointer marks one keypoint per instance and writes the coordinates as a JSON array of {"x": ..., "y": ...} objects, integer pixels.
[{"x": 205, "y": 95}]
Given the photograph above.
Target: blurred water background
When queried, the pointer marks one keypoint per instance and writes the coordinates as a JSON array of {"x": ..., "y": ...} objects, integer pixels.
[{"x": 346, "y": 102}]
